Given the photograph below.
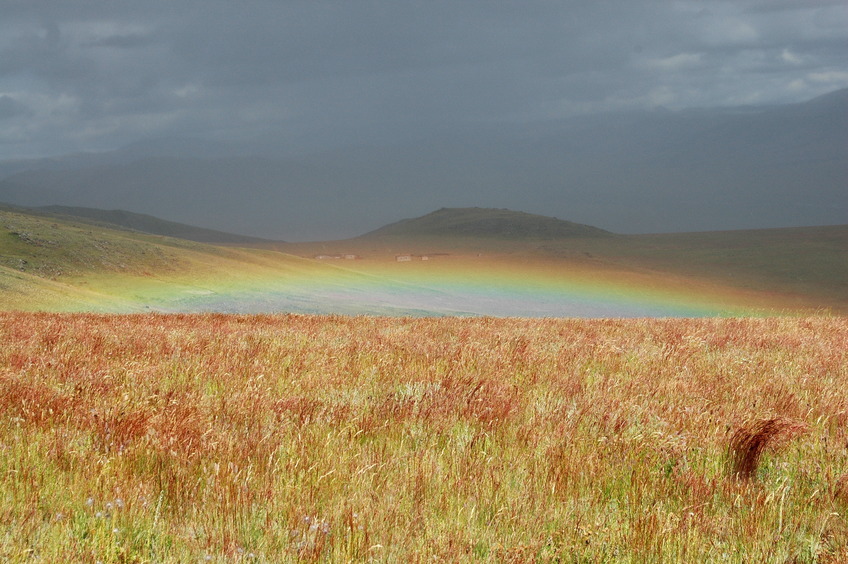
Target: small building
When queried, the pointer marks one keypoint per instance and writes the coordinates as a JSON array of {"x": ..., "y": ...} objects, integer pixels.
[{"x": 403, "y": 258}]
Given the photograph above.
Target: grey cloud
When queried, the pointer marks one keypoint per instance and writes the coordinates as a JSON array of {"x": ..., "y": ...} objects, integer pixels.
[
  {"x": 9, "y": 108},
  {"x": 331, "y": 70},
  {"x": 124, "y": 41},
  {"x": 42, "y": 54}
]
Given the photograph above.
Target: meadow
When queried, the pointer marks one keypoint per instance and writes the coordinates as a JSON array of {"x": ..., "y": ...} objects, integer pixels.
[{"x": 226, "y": 438}]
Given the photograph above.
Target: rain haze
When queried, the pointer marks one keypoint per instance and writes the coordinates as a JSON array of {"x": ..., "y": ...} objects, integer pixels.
[{"x": 318, "y": 120}]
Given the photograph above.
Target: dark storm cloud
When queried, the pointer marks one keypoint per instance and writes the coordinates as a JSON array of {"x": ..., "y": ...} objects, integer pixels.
[{"x": 92, "y": 75}]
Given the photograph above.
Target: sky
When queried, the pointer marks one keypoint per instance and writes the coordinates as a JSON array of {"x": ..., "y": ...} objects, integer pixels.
[{"x": 310, "y": 75}]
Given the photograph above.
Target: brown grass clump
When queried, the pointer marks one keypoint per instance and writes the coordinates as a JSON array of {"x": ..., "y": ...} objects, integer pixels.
[{"x": 750, "y": 441}]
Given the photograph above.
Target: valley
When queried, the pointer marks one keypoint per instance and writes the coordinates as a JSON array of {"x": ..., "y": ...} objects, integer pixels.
[{"x": 469, "y": 261}]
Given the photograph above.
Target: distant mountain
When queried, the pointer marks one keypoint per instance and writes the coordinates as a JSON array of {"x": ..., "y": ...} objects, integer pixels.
[
  {"x": 630, "y": 172},
  {"x": 486, "y": 223},
  {"x": 152, "y": 225}
]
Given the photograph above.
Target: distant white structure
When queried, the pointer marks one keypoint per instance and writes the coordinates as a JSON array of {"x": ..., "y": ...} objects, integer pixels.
[
  {"x": 410, "y": 257},
  {"x": 337, "y": 257}
]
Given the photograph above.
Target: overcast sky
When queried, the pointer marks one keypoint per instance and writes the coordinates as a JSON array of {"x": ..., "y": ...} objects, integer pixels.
[{"x": 94, "y": 75}]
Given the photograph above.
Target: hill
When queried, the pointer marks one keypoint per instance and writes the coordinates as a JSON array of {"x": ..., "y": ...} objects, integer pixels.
[
  {"x": 150, "y": 224},
  {"x": 486, "y": 223}
]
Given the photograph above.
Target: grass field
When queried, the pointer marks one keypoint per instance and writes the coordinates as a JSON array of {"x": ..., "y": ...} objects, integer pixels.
[{"x": 153, "y": 438}]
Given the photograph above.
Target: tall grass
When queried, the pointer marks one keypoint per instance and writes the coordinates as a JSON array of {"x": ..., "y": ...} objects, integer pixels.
[{"x": 294, "y": 438}]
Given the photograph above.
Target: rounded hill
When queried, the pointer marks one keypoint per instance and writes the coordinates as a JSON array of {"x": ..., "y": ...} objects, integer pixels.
[{"x": 487, "y": 223}]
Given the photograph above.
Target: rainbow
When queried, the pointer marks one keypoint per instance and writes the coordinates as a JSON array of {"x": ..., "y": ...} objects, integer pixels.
[
  {"x": 251, "y": 281},
  {"x": 503, "y": 289}
]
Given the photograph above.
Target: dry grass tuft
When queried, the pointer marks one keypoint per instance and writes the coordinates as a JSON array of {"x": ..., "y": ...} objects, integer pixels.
[{"x": 750, "y": 441}]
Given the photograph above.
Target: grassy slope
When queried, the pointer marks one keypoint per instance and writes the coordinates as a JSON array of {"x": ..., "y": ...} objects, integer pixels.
[
  {"x": 149, "y": 224},
  {"x": 22, "y": 291}
]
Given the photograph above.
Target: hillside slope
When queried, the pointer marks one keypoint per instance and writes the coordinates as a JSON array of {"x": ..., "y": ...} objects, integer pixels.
[{"x": 150, "y": 224}]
